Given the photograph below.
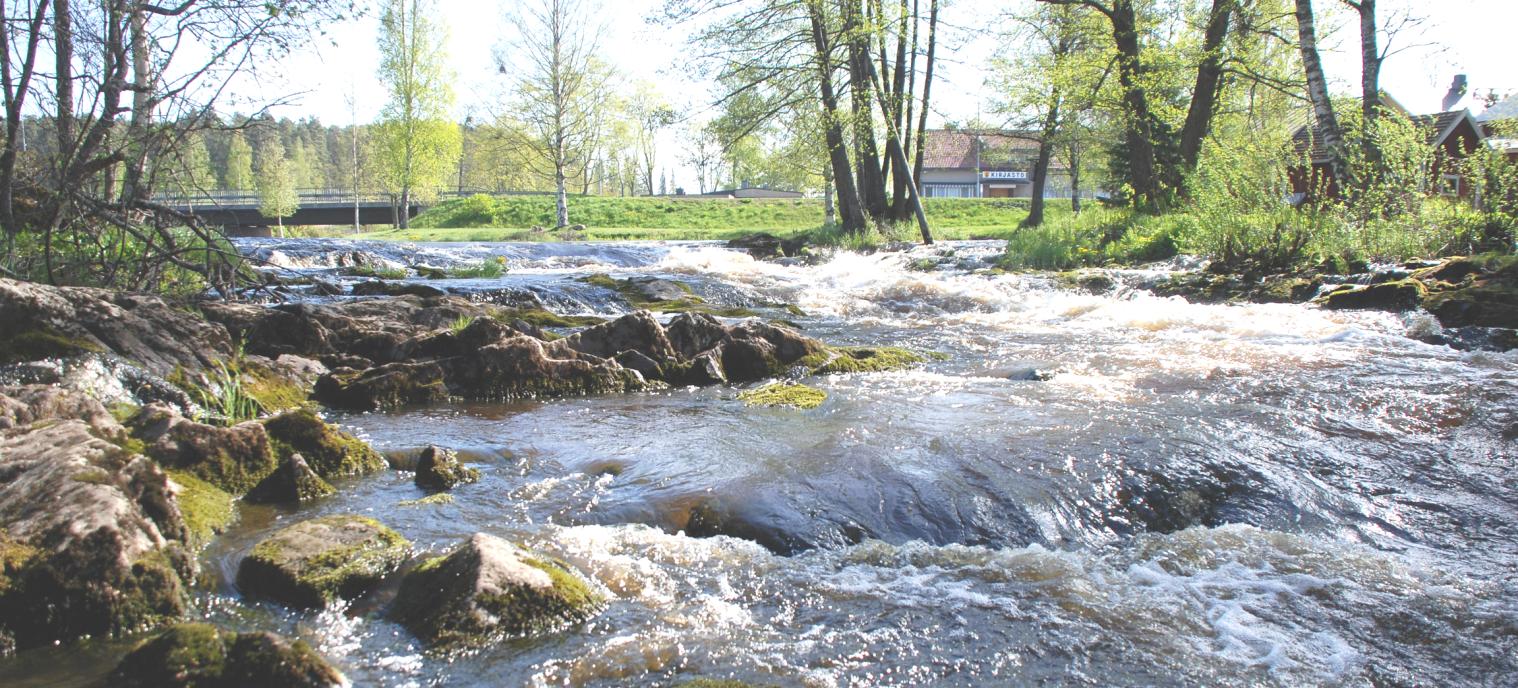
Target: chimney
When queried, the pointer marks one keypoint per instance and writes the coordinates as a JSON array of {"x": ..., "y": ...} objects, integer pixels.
[{"x": 1456, "y": 93}]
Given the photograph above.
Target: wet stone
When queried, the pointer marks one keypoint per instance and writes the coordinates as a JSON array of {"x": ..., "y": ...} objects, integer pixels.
[
  {"x": 319, "y": 561},
  {"x": 439, "y": 469}
]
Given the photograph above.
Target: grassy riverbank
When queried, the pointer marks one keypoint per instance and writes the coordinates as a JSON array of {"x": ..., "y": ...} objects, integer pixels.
[{"x": 512, "y": 218}]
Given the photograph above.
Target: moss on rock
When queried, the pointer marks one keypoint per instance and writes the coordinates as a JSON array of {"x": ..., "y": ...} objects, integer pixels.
[
  {"x": 321, "y": 560},
  {"x": 34, "y": 345},
  {"x": 784, "y": 394},
  {"x": 438, "y": 499},
  {"x": 859, "y": 359},
  {"x": 543, "y": 318},
  {"x": 292, "y": 483},
  {"x": 206, "y": 508},
  {"x": 1397, "y": 295},
  {"x": 488, "y": 590},
  {"x": 439, "y": 469},
  {"x": 204, "y": 656},
  {"x": 329, "y": 451}
]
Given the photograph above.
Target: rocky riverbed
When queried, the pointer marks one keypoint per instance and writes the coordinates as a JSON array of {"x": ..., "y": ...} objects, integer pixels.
[{"x": 654, "y": 464}]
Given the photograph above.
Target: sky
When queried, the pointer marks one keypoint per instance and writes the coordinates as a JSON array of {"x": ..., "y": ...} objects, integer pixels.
[{"x": 1471, "y": 37}]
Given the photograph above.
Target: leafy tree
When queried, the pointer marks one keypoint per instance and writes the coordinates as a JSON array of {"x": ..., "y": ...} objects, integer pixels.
[
  {"x": 417, "y": 145},
  {"x": 561, "y": 90},
  {"x": 239, "y": 172},
  {"x": 276, "y": 189}
]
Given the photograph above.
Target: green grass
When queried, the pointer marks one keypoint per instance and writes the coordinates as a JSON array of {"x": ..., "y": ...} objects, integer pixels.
[{"x": 512, "y": 218}]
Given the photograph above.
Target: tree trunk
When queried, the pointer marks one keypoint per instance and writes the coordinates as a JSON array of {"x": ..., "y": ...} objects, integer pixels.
[
  {"x": 900, "y": 174},
  {"x": 561, "y": 197},
  {"x": 838, "y": 155},
  {"x": 871, "y": 181},
  {"x": 1317, "y": 92},
  {"x": 927, "y": 91},
  {"x": 1139, "y": 129},
  {"x": 900, "y": 157},
  {"x": 1204, "y": 95},
  {"x": 405, "y": 217},
  {"x": 829, "y": 209},
  {"x": 1370, "y": 80},
  {"x": 134, "y": 183},
  {"x": 1075, "y": 177},
  {"x": 63, "y": 40},
  {"x": 1041, "y": 165}
]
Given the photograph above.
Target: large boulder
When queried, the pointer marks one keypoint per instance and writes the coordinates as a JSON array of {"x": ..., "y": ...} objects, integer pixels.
[
  {"x": 91, "y": 536},
  {"x": 45, "y": 322},
  {"x": 526, "y": 367},
  {"x": 439, "y": 469},
  {"x": 204, "y": 656},
  {"x": 330, "y": 452},
  {"x": 637, "y": 331},
  {"x": 383, "y": 288},
  {"x": 381, "y": 387},
  {"x": 233, "y": 459},
  {"x": 322, "y": 560},
  {"x": 489, "y": 589}
]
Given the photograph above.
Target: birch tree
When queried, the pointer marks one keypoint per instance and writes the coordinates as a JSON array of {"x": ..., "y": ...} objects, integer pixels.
[
  {"x": 560, "y": 89},
  {"x": 418, "y": 145}
]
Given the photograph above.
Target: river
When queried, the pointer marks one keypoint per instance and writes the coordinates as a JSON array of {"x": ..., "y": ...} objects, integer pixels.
[{"x": 1087, "y": 489}]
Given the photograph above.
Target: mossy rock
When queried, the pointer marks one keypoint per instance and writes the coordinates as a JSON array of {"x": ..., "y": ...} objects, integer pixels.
[
  {"x": 664, "y": 296},
  {"x": 543, "y": 318},
  {"x": 438, "y": 499},
  {"x": 329, "y": 451},
  {"x": 206, "y": 508},
  {"x": 272, "y": 392},
  {"x": 488, "y": 590},
  {"x": 859, "y": 359},
  {"x": 203, "y": 656},
  {"x": 322, "y": 560},
  {"x": 233, "y": 459},
  {"x": 784, "y": 394},
  {"x": 439, "y": 469},
  {"x": 35, "y": 345},
  {"x": 1397, "y": 295},
  {"x": 292, "y": 483}
]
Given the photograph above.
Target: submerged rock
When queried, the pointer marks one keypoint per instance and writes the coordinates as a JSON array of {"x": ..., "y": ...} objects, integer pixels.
[
  {"x": 489, "y": 589},
  {"x": 204, "y": 656},
  {"x": 859, "y": 359},
  {"x": 382, "y": 288},
  {"x": 1398, "y": 295},
  {"x": 292, "y": 483},
  {"x": 439, "y": 469},
  {"x": 91, "y": 536},
  {"x": 321, "y": 560},
  {"x": 784, "y": 394},
  {"x": 329, "y": 451}
]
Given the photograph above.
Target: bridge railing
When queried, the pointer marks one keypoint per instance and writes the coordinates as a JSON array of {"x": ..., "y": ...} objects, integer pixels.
[{"x": 246, "y": 198}]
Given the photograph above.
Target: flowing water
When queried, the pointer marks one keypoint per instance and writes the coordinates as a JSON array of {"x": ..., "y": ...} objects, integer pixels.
[{"x": 1200, "y": 495}]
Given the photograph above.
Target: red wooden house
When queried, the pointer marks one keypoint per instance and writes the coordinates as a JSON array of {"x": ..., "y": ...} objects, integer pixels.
[{"x": 1454, "y": 135}]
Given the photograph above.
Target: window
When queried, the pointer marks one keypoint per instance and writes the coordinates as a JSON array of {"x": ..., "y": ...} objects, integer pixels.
[{"x": 1450, "y": 185}]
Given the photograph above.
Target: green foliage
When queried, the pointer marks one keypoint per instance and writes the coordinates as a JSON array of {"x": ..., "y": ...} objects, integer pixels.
[
  {"x": 276, "y": 189},
  {"x": 116, "y": 258},
  {"x": 226, "y": 400},
  {"x": 239, "y": 167},
  {"x": 485, "y": 269},
  {"x": 1093, "y": 238},
  {"x": 416, "y": 144},
  {"x": 1240, "y": 214}
]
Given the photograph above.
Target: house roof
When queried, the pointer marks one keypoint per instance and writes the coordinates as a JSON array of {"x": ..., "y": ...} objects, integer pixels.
[
  {"x": 1436, "y": 128},
  {"x": 1507, "y": 109},
  {"x": 954, "y": 149}
]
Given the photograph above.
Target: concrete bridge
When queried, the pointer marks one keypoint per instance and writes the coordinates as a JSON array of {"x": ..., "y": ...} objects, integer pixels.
[{"x": 238, "y": 213}]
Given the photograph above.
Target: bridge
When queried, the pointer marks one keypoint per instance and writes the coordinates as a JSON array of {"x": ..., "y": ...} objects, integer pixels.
[{"x": 237, "y": 211}]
